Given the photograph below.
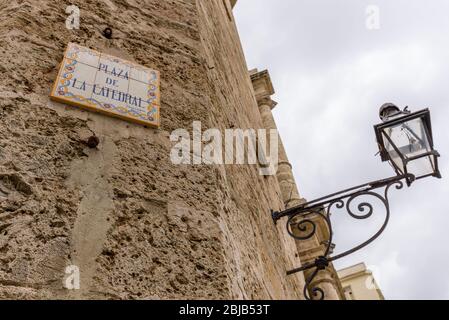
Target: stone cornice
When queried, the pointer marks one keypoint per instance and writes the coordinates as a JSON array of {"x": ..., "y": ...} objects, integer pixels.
[
  {"x": 266, "y": 101},
  {"x": 263, "y": 87},
  {"x": 263, "y": 79}
]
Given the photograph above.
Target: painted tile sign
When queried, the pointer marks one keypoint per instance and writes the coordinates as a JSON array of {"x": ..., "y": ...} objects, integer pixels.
[{"x": 106, "y": 84}]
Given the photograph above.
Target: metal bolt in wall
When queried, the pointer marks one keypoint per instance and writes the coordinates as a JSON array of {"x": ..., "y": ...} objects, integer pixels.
[
  {"x": 93, "y": 142},
  {"x": 107, "y": 33}
]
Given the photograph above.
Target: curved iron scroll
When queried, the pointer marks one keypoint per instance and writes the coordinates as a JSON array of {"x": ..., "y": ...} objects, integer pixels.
[{"x": 301, "y": 224}]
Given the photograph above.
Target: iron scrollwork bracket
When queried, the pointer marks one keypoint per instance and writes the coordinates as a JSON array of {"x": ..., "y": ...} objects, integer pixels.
[{"x": 301, "y": 224}]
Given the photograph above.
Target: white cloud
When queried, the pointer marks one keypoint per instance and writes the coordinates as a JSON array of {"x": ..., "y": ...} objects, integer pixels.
[{"x": 331, "y": 75}]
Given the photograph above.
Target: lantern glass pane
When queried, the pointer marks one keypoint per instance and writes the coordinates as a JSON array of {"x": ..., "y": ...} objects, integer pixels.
[
  {"x": 410, "y": 138},
  {"x": 409, "y": 147},
  {"x": 422, "y": 166},
  {"x": 395, "y": 157}
]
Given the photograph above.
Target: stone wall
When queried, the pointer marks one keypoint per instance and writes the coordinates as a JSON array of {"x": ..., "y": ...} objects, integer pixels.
[{"x": 136, "y": 225}]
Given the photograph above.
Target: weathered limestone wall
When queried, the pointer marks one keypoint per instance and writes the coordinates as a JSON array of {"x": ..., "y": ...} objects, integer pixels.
[
  {"x": 136, "y": 225},
  {"x": 257, "y": 262}
]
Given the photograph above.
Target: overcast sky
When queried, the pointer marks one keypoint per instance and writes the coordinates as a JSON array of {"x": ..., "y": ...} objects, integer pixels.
[{"x": 331, "y": 74}]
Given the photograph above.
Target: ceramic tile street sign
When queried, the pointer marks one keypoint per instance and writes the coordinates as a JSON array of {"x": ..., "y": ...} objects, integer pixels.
[{"x": 107, "y": 84}]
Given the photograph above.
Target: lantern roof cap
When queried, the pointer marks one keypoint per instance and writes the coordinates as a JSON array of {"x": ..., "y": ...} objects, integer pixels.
[{"x": 388, "y": 109}]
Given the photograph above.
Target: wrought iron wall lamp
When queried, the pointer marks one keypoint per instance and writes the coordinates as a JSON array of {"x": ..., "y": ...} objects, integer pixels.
[{"x": 405, "y": 140}]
